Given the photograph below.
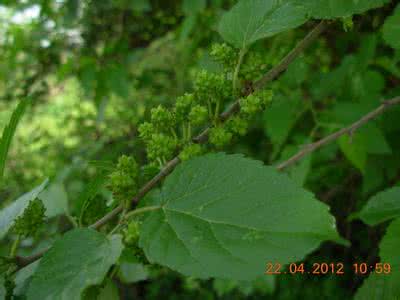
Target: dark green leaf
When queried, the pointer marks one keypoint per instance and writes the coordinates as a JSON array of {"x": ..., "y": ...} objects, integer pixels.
[
  {"x": 251, "y": 20},
  {"x": 81, "y": 258},
  {"x": 385, "y": 286},
  {"x": 381, "y": 207},
  {"x": 391, "y": 29},
  {"x": 226, "y": 216}
]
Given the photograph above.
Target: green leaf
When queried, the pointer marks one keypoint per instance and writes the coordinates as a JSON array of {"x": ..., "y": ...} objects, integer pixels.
[
  {"x": 133, "y": 272},
  {"x": 385, "y": 286},
  {"x": 391, "y": 29},
  {"x": 191, "y": 7},
  {"x": 367, "y": 140},
  {"x": 24, "y": 277},
  {"x": 108, "y": 292},
  {"x": 81, "y": 258},
  {"x": 17, "y": 208},
  {"x": 251, "y": 20},
  {"x": 331, "y": 9},
  {"x": 381, "y": 207},
  {"x": 226, "y": 216},
  {"x": 55, "y": 200},
  {"x": 9, "y": 131}
]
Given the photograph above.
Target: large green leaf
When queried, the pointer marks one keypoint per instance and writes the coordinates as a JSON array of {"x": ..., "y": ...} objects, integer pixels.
[
  {"x": 81, "y": 258},
  {"x": 385, "y": 286},
  {"x": 227, "y": 216},
  {"x": 9, "y": 131},
  {"x": 251, "y": 20},
  {"x": 391, "y": 29},
  {"x": 17, "y": 208},
  {"x": 330, "y": 9},
  {"x": 381, "y": 207}
]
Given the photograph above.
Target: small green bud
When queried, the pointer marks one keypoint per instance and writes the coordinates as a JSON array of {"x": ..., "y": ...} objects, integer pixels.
[
  {"x": 146, "y": 130},
  {"x": 31, "y": 220},
  {"x": 131, "y": 234},
  {"x": 237, "y": 125},
  {"x": 251, "y": 105},
  {"x": 190, "y": 151},
  {"x": 266, "y": 97},
  {"x": 183, "y": 105},
  {"x": 219, "y": 136},
  {"x": 161, "y": 117},
  {"x": 161, "y": 146},
  {"x": 198, "y": 114}
]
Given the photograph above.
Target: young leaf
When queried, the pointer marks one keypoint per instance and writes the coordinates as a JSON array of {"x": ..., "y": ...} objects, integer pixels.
[
  {"x": 17, "y": 208},
  {"x": 330, "y": 9},
  {"x": 226, "y": 216},
  {"x": 9, "y": 131},
  {"x": 391, "y": 29},
  {"x": 81, "y": 258},
  {"x": 381, "y": 207},
  {"x": 385, "y": 286},
  {"x": 251, "y": 20}
]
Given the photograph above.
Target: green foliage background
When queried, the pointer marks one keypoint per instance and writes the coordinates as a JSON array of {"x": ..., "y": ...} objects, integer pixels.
[{"x": 92, "y": 70}]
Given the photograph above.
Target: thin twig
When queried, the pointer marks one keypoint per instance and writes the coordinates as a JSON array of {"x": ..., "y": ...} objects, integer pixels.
[
  {"x": 201, "y": 138},
  {"x": 347, "y": 130}
]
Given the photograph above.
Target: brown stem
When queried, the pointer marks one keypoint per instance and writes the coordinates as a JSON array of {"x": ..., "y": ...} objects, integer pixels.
[{"x": 347, "y": 130}]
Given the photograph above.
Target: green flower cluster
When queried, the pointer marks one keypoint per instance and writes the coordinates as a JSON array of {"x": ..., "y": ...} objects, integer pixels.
[
  {"x": 225, "y": 55},
  {"x": 253, "y": 67},
  {"x": 123, "y": 181},
  {"x": 31, "y": 220},
  {"x": 212, "y": 88},
  {"x": 221, "y": 134},
  {"x": 255, "y": 102}
]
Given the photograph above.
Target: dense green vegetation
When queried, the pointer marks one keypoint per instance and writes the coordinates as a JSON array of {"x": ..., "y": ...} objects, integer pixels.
[{"x": 186, "y": 149}]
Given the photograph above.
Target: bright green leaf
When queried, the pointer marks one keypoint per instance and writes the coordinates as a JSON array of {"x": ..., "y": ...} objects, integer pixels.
[
  {"x": 17, "y": 208},
  {"x": 381, "y": 207},
  {"x": 9, "y": 131},
  {"x": 391, "y": 29},
  {"x": 226, "y": 216},
  {"x": 251, "y": 20},
  {"x": 81, "y": 258}
]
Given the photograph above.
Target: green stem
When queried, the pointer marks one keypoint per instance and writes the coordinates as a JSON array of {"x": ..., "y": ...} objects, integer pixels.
[
  {"x": 242, "y": 53},
  {"x": 216, "y": 113},
  {"x": 141, "y": 210},
  {"x": 14, "y": 247},
  {"x": 189, "y": 131}
]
